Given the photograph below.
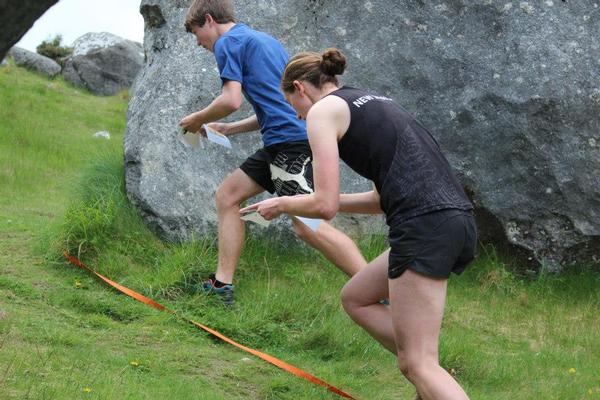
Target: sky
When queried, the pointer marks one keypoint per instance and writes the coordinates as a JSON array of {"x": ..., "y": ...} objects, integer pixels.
[{"x": 74, "y": 18}]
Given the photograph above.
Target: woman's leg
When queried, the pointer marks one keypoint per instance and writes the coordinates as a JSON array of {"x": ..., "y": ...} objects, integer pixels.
[
  {"x": 417, "y": 309},
  {"x": 361, "y": 297}
]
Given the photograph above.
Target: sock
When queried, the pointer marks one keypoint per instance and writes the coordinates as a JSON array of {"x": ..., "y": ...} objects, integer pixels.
[{"x": 218, "y": 284}]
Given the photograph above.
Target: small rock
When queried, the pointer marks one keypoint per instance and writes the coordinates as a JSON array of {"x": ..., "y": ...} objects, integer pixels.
[
  {"x": 34, "y": 62},
  {"x": 527, "y": 8},
  {"x": 102, "y": 134},
  {"x": 103, "y": 63}
]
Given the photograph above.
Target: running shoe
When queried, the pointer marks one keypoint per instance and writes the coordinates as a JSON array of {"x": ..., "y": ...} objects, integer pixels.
[{"x": 225, "y": 291}]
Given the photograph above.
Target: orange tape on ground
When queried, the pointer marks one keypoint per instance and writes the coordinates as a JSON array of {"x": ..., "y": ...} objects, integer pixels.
[{"x": 275, "y": 361}]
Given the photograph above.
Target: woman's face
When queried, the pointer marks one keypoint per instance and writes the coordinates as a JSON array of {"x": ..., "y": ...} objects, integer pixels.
[{"x": 299, "y": 101}]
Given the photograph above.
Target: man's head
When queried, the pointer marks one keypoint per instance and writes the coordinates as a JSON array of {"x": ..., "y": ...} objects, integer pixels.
[
  {"x": 221, "y": 12},
  {"x": 203, "y": 18}
]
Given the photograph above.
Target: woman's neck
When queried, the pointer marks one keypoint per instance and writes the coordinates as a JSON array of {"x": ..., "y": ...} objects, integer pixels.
[
  {"x": 323, "y": 91},
  {"x": 328, "y": 88}
]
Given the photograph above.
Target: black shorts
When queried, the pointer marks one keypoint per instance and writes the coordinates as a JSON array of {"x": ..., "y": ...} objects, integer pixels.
[
  {"x": 284, "y": 168},
  {"x": 433, "y": 244}
]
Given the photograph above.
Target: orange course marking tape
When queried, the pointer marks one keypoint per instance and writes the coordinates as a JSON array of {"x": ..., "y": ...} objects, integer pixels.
[{"x": 275, "y": 361}]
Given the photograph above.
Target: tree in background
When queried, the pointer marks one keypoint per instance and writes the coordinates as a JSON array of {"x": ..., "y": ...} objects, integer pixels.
[{"x": 53, "y": 49}]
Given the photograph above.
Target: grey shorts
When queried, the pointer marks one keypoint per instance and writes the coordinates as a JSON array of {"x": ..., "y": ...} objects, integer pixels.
[
  {"x": 433, "y": 244},
  {"x": 284, "y": 168}
]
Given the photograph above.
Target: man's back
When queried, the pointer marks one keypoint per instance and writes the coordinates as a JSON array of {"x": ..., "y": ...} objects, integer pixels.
[{"x": 257, "y": 61}]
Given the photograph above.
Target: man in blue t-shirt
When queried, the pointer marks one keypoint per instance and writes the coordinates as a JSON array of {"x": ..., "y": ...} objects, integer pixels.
[{"x": 251, "y": 64}]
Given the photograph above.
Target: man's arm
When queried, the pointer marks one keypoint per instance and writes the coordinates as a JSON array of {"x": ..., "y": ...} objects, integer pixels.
[
  {"x": 227, "y": 102},
  {"x": 232, "y": 128}
]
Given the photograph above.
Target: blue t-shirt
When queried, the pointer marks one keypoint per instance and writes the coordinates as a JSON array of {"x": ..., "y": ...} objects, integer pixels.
[{"x": 257, "y": 61}]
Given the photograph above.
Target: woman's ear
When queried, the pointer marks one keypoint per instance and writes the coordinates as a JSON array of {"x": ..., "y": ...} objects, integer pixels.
[{"x": 298, "y": 86}]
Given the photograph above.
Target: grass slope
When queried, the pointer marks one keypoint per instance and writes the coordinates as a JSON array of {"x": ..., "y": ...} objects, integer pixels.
[{"x": 65, "y": 335}]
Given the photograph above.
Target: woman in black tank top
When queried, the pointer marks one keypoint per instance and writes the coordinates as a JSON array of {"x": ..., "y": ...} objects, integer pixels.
[{"x": 432, "y": 231}]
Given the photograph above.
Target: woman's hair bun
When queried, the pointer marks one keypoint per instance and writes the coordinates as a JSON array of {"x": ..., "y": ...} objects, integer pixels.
[{"x": 333, "y": 62}]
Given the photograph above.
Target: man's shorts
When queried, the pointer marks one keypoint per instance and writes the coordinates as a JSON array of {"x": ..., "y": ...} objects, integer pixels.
[
  {"x": 433, "y": 244},
  {"x": 284, "y": 168}
]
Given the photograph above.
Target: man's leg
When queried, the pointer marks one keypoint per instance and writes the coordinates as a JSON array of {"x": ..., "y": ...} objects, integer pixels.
[
  {"x": 235, "y": 189},
  {"x": 291, "y": 173},
  {"x": 338, "y": 248}
]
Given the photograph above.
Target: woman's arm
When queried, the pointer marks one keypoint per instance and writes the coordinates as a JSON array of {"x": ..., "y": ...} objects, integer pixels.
[
  {"x": 361, "y": 203},
  {"x": 323, "y": 125}
]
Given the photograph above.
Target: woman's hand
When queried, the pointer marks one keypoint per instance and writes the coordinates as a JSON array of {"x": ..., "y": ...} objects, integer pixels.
[{"x": 268, "y": 209}]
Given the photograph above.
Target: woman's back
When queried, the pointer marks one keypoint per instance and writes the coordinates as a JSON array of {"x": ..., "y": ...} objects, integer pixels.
[{"x": 386, "y": 144}]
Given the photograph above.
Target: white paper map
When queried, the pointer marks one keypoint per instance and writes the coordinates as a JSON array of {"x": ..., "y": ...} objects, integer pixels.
[
  {"x": 312, "y": 223},
  {"x": 255, "y": 217},
  {"x": 191, "y": 139},
  {"x": 217, "y": 137}
]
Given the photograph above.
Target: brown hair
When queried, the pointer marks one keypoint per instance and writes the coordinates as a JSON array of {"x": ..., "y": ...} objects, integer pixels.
[
  {"x": 220, "y": 10},
  {"x": 315, "y": 68}
]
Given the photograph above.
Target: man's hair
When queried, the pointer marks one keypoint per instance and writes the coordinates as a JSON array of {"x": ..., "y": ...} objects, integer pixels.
[{"x": 220, "y": 10}]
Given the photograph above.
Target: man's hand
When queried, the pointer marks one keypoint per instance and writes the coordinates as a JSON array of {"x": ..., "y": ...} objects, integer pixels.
[
  {"x": 221, "y": 127},
  {"x": 268, "y": 209},
  {"x": 193, "y": 123},
  {"x": 224, "y": 104}
]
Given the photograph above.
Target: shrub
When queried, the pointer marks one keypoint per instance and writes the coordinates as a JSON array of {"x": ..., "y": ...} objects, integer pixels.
[{"x": 53, "y": 49}]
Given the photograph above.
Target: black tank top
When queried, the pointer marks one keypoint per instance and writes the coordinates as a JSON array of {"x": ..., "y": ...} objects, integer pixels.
[{"x": 387, "y": 145}]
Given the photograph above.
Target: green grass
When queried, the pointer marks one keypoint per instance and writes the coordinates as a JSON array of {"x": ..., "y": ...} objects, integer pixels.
[{"x": 65, "y": 335}]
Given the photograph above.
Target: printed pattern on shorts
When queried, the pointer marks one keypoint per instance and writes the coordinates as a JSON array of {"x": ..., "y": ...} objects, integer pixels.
[{"x": 290, "y": 179}]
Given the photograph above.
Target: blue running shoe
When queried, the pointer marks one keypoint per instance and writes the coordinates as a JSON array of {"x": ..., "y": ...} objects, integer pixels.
[{"x": 225, "y": 291}]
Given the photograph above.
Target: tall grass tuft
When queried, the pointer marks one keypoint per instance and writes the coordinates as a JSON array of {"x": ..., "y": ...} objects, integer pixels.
[{"x": 99, "y": 214}]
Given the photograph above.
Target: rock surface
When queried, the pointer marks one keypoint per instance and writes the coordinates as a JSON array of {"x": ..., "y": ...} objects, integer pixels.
[
  {"x": 16, "y": 17},
  {"x": 35, "y": 62},
  {"x": 174, "y": 186},
  {"x": 510, "y": 89},
  {"x": 103, "y": 63}
]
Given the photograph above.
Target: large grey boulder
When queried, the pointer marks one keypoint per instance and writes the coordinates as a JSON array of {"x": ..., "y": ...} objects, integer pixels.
[
  {"x": 16, "y": 17},
  {"x": 35, "y": 62},
  {"x": 510, "y": 89},
  {"x": 103, "y": 63},
  {"x": 174, "y": 186}
]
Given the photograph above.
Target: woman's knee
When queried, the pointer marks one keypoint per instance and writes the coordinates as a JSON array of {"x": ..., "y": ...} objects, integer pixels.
[
  {"x": 408, "y": 368},
  {"x": 362, "y": 291},
  {"x": 415, "y": 366},
  {"x": 350, "y": 300}
]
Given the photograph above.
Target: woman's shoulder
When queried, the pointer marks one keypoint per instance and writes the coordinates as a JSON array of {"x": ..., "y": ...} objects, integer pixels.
[
  {"x": 330, "y": 111},
  {"x": 328, "y": 106},
  {"x": 334, "y": 99}
]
